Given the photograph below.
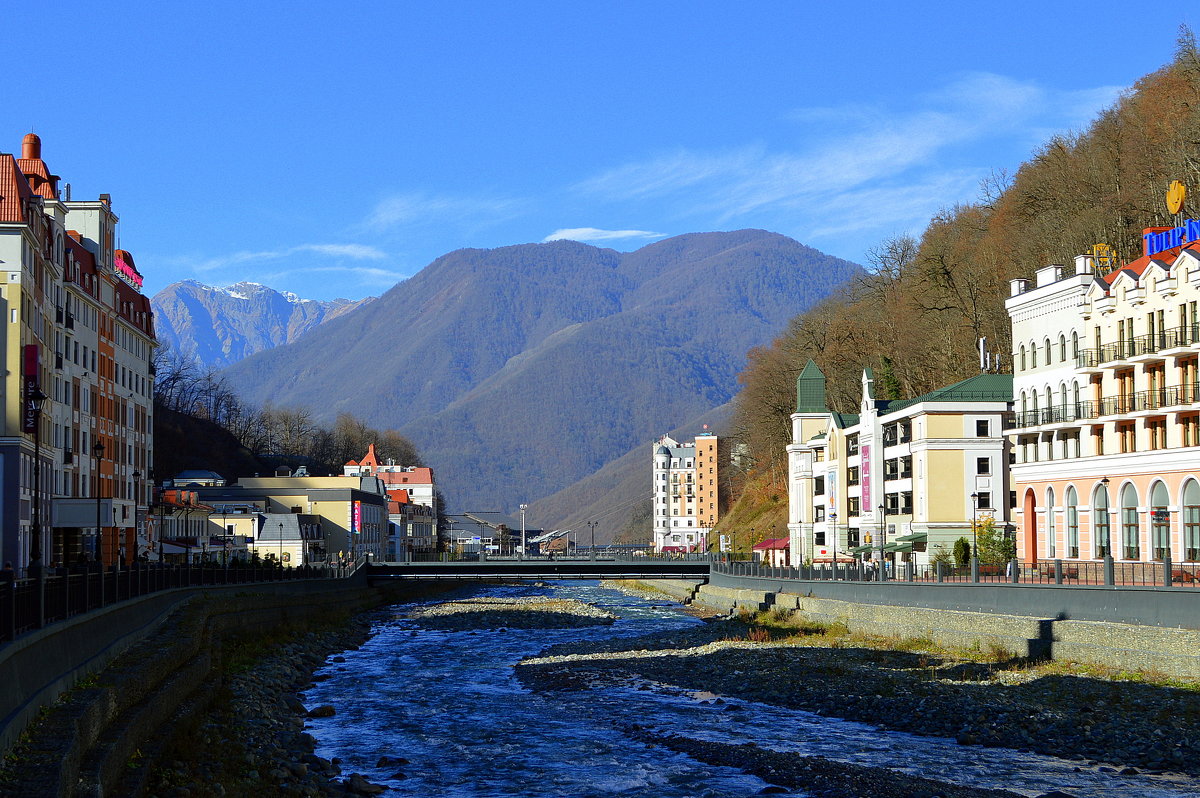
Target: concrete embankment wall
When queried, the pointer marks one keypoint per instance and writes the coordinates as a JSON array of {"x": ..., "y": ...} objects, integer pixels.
[
  {"x": 173, "y": 644},
  {"x": 1054, "y": 635}
]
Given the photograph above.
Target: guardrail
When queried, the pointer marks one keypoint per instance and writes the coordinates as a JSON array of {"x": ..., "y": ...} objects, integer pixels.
[
  {"x": 35, "y": 602},
  {"x": 1107, "y": 572}
]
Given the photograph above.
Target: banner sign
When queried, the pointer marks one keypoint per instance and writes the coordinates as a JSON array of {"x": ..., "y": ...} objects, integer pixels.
[
  {"x": 29, "y": 378},
  {"x": 356, "y": 519},
  {"x": 1176, "y": 236},
  {"x": 865, "y": 474}
]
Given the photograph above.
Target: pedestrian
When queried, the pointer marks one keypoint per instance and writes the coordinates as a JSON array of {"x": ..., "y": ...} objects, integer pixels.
[{"x": 7, "y": 574}]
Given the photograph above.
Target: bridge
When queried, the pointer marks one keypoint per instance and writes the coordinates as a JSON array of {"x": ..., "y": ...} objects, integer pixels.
[{"x": 542, "y": 568}]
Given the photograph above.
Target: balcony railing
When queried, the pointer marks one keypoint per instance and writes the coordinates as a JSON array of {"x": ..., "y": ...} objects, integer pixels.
[
  {"x": 1185, "y": 335},
  {"x": 1138, "y": 402}
]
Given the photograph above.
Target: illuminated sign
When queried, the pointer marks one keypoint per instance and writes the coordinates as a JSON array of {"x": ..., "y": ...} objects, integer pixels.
[
  {"x": 126, "y": 271},
  {"x": 356, "y": 519},
  {"x": 1175, "y": 237}
]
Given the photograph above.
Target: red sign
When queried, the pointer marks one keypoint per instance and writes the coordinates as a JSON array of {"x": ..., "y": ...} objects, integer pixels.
[{"x": 127, "y": 272}]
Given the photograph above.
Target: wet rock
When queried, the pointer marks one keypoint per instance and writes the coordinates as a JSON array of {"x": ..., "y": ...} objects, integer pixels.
[
  {"x": 323, "y": 711},
  {"x": 358, "y": 785}
]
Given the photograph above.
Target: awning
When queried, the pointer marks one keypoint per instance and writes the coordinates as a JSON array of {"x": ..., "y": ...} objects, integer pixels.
[
  {"x": 903, "y": 548},
  {"x": 861, "y": 549},
  {"x": 916, "y": 537}
]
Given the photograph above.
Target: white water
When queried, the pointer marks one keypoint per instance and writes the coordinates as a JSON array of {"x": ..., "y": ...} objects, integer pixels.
[{"x": 449, "y": 703}]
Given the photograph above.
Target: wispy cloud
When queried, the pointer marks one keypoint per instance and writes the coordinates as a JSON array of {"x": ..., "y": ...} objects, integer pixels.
[
  {"x": 416, "y": 208},
  {"x": 596, "y": 234},
  {"x": 350, "y": 251},
  {"x": 857, "y": 166}
]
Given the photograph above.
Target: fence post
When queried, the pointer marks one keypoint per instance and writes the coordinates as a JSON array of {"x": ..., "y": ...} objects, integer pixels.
[
  {"x": 909, "y": 571},
  {"x": 1015, "y": 565},
  {"x": 938, "y": 569},
  {"x": 974, "y": 568},
  {"x": 1166, "y": 572},
  {"x": 1058, "y": 572},
  {"x": 1110, "y": 573}
]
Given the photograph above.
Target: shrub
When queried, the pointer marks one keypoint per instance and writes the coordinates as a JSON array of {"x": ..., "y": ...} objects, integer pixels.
[{"x": 962, "y": 552}]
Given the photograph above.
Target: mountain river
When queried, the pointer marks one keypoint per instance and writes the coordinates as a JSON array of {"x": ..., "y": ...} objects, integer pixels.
[{"x": 449, "y": 703}]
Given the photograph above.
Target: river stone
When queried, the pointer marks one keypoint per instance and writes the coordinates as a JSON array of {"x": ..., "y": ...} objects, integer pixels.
[
  {"x": 360, "y": 786},
  {"x": 324, "y": 711}
]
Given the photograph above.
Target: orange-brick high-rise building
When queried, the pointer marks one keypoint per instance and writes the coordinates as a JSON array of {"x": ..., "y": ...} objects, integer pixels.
[
  {"x": 76, "y": 443},
  {"x": 686, "y": 506}
]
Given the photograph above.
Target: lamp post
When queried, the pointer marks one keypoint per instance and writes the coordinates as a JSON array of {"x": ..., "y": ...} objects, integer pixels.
[
  {"x": 1107, "y": 524},
  {"x": 137, "y": 501},
  {"x": 882, "y": 539},
  {"x": 974, "y": 526},
  {"x": 833, "y": 546},
  {"x": 37, "y": 400},
  {"x": 98, "y": 451},
  {"x": 524, "y": 507},
  {"x": 592, "y": 526},
  {"x": 280, "y": 544}
]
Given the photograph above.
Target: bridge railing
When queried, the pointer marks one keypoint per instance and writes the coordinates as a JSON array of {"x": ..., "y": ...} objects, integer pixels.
[
  {"x": 1106, "y": 572},
  {"x": 59, "y": 594}
]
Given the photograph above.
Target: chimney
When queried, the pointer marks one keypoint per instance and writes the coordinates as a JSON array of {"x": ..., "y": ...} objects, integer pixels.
[{"x": 31, "y": 146}]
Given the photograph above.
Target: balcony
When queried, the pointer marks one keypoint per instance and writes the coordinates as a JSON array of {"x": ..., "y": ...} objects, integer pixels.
[
  {"x": 1062, "y": 414},
  {"x": 1154, "y": 346},
  {"x": 1158, "y": 400}
]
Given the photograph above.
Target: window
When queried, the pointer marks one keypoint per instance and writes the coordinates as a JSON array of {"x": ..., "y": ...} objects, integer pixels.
[
  {"x": 819, "y": 513},
  {"x": 819, "y": 486},
  {"x": 1190, "y": 424},
  {"x": 1100, "y": 527},
  {"x": 891, "y": 468},
  {"x": 852, "y": 475},
  {"x": 1097, "y": 440},
  {"x": 852, "y": 505},
  {"x": 1062, "y": 348},
  {"x": 1157, "y": 429},
  {"x": 1051, "y": 543},
  {"x": 1191, "y": 521},
  {"x": 985, "y": 500},
  {"x": 819, "y": 537},
  {"x": 1126, "y": 433},
  {"x": 982, "y": 428},
  {"x": 983, "y": 465},
  {"x": 906, "y": 505},
  {"x": 852, "y": 444},
  {"x": 1072, "y": 523},
  {"x": 905, "y": 431},
  {"x": 1160, "y": 522},
  {"x": 1129, "y": 524},
  {"x": 906, "y": 467},
  {"x": 1021, "y": 358},
  {"x": 1033, "y": 357}
]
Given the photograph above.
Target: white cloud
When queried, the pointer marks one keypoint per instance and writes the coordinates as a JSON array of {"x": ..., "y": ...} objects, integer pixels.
[
  {"x": 416, "y": 208},
  {"x": 858, "y": 166},
  {"x": 596, "y": 234},
  {"x": 351, "y": 251}
]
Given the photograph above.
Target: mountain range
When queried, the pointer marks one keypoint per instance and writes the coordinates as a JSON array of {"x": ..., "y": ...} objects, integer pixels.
[
  {"x": 522, "y": 370},
  {"x": 220, "y": 326}
]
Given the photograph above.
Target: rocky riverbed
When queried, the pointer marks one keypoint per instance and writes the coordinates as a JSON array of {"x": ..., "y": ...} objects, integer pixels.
[
  {"x": 1103, "y": 723},
  {"x": 530, "y": 612}
]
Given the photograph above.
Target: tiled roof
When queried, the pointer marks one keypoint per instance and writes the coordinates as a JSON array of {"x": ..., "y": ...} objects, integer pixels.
[
  {"x": 772, "y": 544},
  {"x": 14, "y": 190},
  {"x": 41, "y": 181}
]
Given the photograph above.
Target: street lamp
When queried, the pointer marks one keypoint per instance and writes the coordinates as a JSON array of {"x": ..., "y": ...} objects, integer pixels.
[
  {"x": 98, "y": 451},
  {"x": 280, "y": 544},
  {"x": 974, "y": 526},
  {"x": 833, "y": 546},
  {"x": 37, "y": 400},
  {"x": 592, "y": 526},
  {"x": 137, "y": 500},
  {"x": 1107, "y": 524},
  {"x": 524, "y": 507},
  {"x": 882, "y": 538}
]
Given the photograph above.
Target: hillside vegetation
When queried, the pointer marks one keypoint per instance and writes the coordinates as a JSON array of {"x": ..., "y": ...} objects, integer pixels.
[{"x": 917, "y": 315}]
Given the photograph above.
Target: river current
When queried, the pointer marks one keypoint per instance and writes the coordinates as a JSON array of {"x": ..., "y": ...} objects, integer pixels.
[{"x": 449, "y": 703}]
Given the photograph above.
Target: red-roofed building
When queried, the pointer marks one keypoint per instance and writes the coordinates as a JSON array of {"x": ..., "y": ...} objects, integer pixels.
[
  {"x": 412, "y": 506},
  {"x": 1107, "y": 406},
  {"x": 773, "y": 552},
  {"x": 83, "y": 335}
]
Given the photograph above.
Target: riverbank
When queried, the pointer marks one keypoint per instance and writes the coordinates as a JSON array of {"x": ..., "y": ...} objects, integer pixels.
[{"x": 1105, "y": 721}]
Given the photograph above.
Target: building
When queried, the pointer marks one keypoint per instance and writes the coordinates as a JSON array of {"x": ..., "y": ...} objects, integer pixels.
[
  {"x": 905, "y": 476},
  {"x": 76, "y": 443},
  {"x": 686, "y": 503},
  {"x": 1107, "y": 414},
  {"x": 415, "y": 481}
]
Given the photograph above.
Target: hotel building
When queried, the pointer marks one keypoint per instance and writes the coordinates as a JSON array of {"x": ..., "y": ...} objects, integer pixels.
[
  {"x": 907, "y": 476},
  {"x": 76, "y": 444},
  {"x": 686, "y": 505},
  {"x": 1107, "y": 403}
]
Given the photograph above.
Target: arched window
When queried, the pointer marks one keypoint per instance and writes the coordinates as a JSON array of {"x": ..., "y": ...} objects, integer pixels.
[
  {"x": 1100, "y": 525},
  {"x": 1075, "y": 347},
  {"x": 1072, "y": 501},
  {"x": 1131, "y": 550},
  {"x": 1051, "y": 544},
  {"x": 1160, "y": 522},
  {"x": 1062, "y": 348},
  {"x": 1191, "y": 521},
  {"x": 1024, "y": 403},
  {"x": 1033, "y": 356},
  {"x": 1049, "y": 352},
  {"x": 1023, "y": 366}
]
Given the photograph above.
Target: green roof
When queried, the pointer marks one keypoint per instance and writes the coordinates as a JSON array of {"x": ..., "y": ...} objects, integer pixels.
[
  {"x": 843, "y": 420},
  {"x": 980, "y": 388},
  {"x": 810, "y": 389}
]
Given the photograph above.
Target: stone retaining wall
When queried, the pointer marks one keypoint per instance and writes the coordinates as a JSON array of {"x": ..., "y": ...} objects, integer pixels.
[
  {"x": 1172, "y": 651},
  {"x": 173, "y": 647}
]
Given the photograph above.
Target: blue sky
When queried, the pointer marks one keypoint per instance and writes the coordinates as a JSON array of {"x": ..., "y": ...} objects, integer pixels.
[{"x": 335, "y": 149}]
